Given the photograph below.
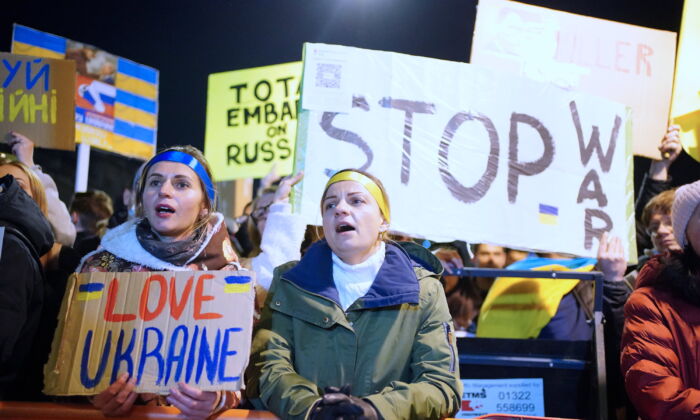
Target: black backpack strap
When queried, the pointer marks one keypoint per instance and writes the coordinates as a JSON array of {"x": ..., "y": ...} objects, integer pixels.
[{"x": 22, "y": 237}]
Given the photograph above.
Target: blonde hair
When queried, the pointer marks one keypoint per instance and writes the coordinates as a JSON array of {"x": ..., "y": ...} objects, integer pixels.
[
  {"x": 35, "y": 185},
  {"x": 208, "y": 204},
  {"x": 384, "y": 236}
]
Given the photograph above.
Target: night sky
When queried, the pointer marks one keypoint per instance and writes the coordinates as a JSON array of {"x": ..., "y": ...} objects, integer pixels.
[{"x": 188, "y": 40}]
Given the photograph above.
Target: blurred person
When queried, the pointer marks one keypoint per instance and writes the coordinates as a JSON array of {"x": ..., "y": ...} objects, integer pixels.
[
  {"x": 274, "y": 231},
  {"x": 467, "y": 296},
  {"x": 657, "y": 180},
  {"x": 176, "y": 228},
  {"x": 90, "y": 212},
  {"x": 656, "y": 219},
  {"x": 58, "y": 216},
  {"x": 25, "y": 235},
  {"x": 514, "y": 255},
  {"x": 660, "y": 340},
  {"x": 359, "y": 328}
]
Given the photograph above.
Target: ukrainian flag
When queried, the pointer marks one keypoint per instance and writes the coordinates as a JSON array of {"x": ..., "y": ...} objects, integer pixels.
[
  {"x": 548, "y": 214},
  {"x": 29, "y": 41},
  {"x": 237, "y": 284},
  {"x": 90, "y": 291},
  {"x": 520, "y": 307},
  {"x": 136, "y": 108}
]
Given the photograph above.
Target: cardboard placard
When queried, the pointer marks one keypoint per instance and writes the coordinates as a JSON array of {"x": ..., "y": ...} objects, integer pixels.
[
  {"x": 628, "y": 64},
  {"x": 36, "y": 99},
  {"x": 685, "y": 107},
  {"x": 469, "y": 153},
  {"x": 160, "y": 327},
  {"x": 116, "y": 99},
  {"x": 251, "y": 121}
]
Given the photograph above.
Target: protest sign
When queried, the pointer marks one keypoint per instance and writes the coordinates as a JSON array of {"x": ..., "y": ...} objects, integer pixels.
[
  {"x": 470, "y": 153},
  {"x": 685, "y": 108},
  {"x": 36, "y": 99},
  {"x": 628, "y": 64},
  {"x": 251, "y": 121},
  {"x": 116, "y": 99},
  {"x": 523, "y": 396},
  {"x": 160, "y": 327}
]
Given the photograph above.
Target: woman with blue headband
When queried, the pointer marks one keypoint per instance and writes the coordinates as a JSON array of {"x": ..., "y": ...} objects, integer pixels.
[
  {"x": 359, "y": 328},
  {"x": 176, "y": 230}
]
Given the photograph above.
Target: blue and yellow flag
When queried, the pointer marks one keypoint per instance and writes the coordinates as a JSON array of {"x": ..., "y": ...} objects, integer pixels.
[
  {"x": 90, "y": 291},
  {"x": 521, "y": 307},
  {"x": 237, "y": 284}
]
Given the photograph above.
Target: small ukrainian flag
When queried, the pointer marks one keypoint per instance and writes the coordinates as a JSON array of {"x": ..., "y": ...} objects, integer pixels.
[
  {"x": 237, "y": 284},
  {"x": 90, "y": 291},
  {"x": 548, "y": 214}
]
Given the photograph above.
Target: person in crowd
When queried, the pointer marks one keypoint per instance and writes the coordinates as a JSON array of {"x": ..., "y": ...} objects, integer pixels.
[
  {"x": 275, "y": 233},
  {"x": 359, "y": 328},
  {"x": 656, "y": 180},
  {"x": 63, "y": 228},
  {"x": 176, "y": 227},
  {"x": 25, "y": 235},
  {"x": 90, "y": 212},
  {"x": 656, "y": 220},
  {"x": 466, "y": 298},
  {"x": 659, "y": 344}
]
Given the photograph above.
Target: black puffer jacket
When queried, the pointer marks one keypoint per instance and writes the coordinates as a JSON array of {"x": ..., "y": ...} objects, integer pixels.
[{"x": 26, "y": 236}]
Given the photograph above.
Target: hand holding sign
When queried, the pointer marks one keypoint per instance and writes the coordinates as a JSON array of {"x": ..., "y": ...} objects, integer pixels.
[
  {"x": 118, "y": 399},
  {"x": 194, "y": 403},
  {"x": 670, "y": 146},
  {"x": 285, "y": 187}
]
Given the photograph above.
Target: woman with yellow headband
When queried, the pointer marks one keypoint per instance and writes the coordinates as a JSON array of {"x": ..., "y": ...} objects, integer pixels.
[{"x": 359, "y": 328}]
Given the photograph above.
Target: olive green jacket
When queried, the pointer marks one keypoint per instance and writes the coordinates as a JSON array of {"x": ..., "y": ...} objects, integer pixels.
[{"x": 394, "y": 346}]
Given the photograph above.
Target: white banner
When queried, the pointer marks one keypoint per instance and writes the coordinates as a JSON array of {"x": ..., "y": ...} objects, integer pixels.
[
  {"x": 629, "y": 64},
  {"x": 467, "y": 152}
]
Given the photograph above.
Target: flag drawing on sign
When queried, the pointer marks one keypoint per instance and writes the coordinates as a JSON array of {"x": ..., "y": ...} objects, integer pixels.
[
  {"x": 90, "y": 291},
  {"x": 237, "y": 284},
  {"x": 548, "y": 214}
]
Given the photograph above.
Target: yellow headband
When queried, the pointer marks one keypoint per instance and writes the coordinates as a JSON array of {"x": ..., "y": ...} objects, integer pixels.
[{"x": 366, "y": 182}]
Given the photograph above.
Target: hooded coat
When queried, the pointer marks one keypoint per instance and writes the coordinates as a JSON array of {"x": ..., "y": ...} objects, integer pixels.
[
  {"x": 660, "y": 354},
  {"x": 25, "y": 236},
  {"x": 394, "y": 345}
]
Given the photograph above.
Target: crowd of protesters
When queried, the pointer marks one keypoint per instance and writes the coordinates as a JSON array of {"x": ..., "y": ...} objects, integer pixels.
[{"x": 351, "y": 322}]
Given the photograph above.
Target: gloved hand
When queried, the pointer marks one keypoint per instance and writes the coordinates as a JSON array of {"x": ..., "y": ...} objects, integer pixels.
[{"x": 339, "y": 404}]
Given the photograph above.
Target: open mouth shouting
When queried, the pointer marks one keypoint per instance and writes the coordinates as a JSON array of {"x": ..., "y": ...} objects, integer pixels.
[
  {"x": 164, "y": 210},
  {"x": 344, "y": 227}
]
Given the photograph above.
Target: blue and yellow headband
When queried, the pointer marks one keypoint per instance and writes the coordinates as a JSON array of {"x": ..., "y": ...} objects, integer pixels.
[
  {"x": 192, "y": 162},
  {"x": 366, "y": 182}
]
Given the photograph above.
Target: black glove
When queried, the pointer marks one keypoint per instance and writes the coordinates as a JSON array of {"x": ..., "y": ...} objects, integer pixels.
[{"x": 339, "y": 404}]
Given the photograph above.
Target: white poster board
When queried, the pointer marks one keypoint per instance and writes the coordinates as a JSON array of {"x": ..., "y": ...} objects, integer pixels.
[
  {"x": 467, "y": 152},
  {"x": 629, "y": 64}
]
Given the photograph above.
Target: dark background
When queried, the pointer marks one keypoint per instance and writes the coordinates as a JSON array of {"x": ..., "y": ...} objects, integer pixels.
[{"x": 188, "y": 40}]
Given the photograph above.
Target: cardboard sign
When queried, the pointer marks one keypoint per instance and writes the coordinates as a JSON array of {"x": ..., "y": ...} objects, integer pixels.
[
  {"x": 624, "y": 63},
  {"x": 160, "y": 327},
  {"x": 116, "y": 99},
  {"x": 36, "y": 99},
  {"x": 469, "y": 153},
  {"x": 251, "y": 121},
  {"x": 685, "y": 108},
  {"x": 503, "y": 396}
]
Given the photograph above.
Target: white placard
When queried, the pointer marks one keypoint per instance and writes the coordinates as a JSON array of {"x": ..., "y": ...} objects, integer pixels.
[
  {"x": 502, "y": 396},
  {"x": 473, "y": 154}
]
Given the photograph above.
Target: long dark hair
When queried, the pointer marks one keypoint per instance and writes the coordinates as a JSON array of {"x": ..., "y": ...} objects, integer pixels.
[{"x": 681, "y": 274}]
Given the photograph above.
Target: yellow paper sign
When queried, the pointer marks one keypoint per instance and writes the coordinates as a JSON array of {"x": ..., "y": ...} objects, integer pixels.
[
  {"x": 36, "y": 99},
  {"x": 685, "y": 107},
  {"x": 160, "y": 327},
  {"x": 251, "y": 121}
]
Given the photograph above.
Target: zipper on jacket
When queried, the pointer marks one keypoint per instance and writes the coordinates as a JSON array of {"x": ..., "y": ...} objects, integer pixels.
[{"x": 448, "y": 334}]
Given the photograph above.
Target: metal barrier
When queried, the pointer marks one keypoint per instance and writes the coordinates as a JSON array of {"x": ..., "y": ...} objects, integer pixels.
[{"x": 598, "y": 342}]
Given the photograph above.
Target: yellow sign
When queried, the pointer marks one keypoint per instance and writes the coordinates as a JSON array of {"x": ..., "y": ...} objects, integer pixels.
[
  {"x": 160, "y": 327},
  {"x": 685, "y": 107},
  {"x": 251, "y": 121},
  {"x": 36, "y": 99}
]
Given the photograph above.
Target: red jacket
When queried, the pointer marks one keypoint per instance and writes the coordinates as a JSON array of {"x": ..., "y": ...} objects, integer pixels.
[{"x": 660, "y": 349}]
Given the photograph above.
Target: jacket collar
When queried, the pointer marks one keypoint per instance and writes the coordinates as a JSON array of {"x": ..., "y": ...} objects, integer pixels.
[
  {"x": 396, "y": 281},
  {"x": 19, "y": 210},
  {"x": 214, "y": 253}
]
